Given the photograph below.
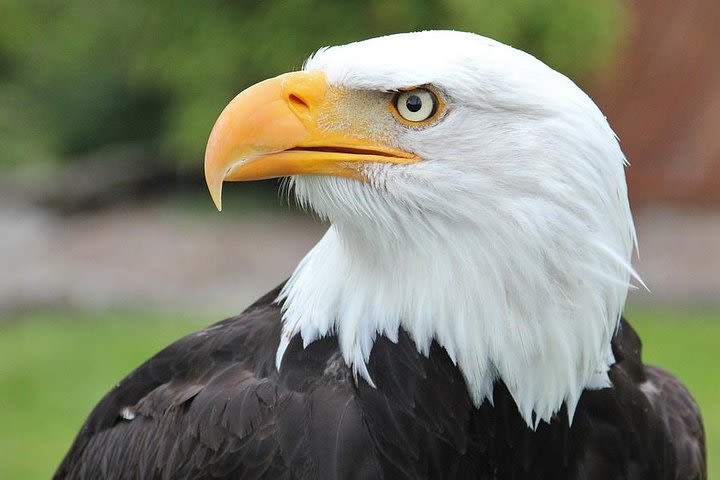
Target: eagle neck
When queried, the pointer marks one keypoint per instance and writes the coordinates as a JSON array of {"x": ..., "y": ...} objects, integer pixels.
[{"x": 499, "y": 313}]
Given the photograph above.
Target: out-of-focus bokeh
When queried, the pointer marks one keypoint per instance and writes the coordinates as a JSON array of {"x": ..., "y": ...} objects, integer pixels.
[{"x": 110, "y": 248}]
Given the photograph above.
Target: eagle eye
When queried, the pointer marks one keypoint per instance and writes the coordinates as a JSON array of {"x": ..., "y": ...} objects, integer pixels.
[{"x": 416, "y": 106}]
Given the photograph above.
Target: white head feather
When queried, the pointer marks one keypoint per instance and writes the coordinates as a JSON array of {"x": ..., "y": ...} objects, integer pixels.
[{"x": 509, "y": 243}]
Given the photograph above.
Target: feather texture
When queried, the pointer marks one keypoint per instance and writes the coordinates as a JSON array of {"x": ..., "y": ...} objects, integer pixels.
[
  {"x": 509, "y": 244},
  {"x": 212, "y": 406}
]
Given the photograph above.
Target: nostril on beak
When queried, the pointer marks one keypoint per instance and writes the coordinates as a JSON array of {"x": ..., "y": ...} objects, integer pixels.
[
  {"x": 303, "y": 91},
  {"x": 297, "y": 103}
]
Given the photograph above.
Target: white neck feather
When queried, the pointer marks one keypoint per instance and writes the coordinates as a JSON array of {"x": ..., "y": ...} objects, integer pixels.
[{"x": 536, "y": 309}]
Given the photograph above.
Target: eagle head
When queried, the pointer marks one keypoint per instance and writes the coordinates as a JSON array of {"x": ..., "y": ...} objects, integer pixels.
[{"x": 476, "y": 198}]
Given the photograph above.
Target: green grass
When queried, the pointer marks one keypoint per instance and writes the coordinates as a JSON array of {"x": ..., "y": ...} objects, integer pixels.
[{"x": 55, "y": 367}]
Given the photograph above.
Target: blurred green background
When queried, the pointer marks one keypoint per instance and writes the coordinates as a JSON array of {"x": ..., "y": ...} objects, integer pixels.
[
  {"x": 78, "y": 76},
  {"x": 110, "y": 246}
]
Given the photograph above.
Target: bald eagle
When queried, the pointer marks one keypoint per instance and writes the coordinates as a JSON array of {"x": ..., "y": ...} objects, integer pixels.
[{"x": 461, "y": 317}]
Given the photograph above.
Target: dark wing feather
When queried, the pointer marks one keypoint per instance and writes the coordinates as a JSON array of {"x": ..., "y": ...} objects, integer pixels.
[
  {"x": 194, "y": 407},
  {"x": 681, "y": 420},
  {"x": 660, "y": 421},
  {"x": 213, "y": 406}
]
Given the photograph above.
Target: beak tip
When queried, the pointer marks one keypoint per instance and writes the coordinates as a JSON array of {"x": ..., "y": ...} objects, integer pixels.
[
  {"x": 215, "y": 187},
  {"x": 216, "y": 195}
]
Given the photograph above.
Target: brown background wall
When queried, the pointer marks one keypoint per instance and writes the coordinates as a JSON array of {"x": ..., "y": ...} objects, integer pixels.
[{"x": 662, "y": 97}]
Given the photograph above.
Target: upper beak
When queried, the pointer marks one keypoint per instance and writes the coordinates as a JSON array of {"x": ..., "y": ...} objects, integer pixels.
[{"x": 272, "y": 130}]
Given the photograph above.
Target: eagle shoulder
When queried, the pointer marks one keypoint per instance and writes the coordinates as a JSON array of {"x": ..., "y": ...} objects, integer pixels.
[{"x": 212, "y": 405}]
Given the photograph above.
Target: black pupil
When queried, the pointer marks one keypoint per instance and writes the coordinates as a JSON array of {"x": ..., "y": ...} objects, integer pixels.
[{"x": 413, "y": 103}]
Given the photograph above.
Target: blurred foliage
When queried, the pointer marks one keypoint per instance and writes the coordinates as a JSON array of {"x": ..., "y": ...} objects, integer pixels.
[{"x": 77, "y": 76}]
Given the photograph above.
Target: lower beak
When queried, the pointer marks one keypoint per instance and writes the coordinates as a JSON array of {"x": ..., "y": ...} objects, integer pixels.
[{"x": 272, "y": 130}]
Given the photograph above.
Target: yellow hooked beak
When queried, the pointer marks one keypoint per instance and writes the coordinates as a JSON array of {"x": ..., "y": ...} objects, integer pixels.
[{"x": 275, "y": 129}]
